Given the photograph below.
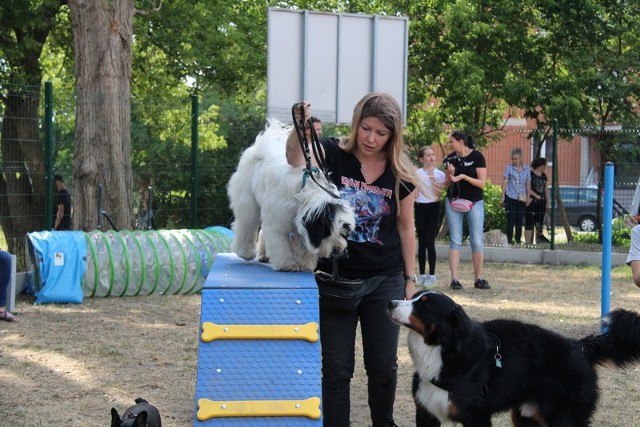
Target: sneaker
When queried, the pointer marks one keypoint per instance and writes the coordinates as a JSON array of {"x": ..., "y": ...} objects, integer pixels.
[
  {"x": 481, "y": 284},
  {"x": 540, "y": 238},
  {"x": 430, "y": 281},
  {"x": 455, "y": 285},
  {"x": 421, "y": 279}
]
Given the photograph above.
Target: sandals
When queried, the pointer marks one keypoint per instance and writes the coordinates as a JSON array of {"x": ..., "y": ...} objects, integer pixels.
[{"x": 8, "y": 317}]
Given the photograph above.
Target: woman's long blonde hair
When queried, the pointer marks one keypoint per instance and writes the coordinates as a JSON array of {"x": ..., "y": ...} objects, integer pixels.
[{"x": 384, "y": 107}]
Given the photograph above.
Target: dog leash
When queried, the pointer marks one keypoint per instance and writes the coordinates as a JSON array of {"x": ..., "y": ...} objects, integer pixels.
[{"x": 310, "y": 171}]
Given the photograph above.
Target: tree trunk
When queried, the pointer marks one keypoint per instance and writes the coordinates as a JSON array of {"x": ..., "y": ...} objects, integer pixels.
[{"x": 103, "y": 34}]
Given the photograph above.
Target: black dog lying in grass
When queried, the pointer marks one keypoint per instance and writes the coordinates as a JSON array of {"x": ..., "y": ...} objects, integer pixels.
[{"x": 142, "y": 414}]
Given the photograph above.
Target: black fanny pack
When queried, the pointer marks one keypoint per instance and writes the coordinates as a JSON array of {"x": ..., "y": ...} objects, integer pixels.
[{"x": 339, "y": 294}]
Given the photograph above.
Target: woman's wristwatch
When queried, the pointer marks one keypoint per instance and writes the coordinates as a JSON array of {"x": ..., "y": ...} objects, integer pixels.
[{"x": 413, "y": 278}]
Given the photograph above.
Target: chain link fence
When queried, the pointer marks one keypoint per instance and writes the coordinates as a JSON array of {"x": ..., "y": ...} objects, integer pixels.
[{"x": 176, "y": 186}]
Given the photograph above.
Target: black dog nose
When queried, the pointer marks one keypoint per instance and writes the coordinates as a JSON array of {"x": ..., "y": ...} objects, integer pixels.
[{"x": 345, "y": 230}]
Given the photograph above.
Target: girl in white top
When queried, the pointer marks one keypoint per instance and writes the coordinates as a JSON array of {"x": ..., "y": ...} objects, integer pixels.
[{"x": 427, "y": 214}]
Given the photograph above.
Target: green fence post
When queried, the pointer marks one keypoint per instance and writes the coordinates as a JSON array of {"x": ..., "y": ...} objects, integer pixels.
[
  {"x": 194, "y": 161},
  {"x": 48, "y": 151}
]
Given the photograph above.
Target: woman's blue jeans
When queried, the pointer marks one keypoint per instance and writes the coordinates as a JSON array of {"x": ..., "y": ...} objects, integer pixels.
[
  {"x": 5, "y": 275},
  {"x": 475, "y": 219}
]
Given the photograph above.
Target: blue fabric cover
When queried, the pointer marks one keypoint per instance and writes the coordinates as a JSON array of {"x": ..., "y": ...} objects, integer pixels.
[
  {"x": 61, "y": 259},
  {"x": 222, "y": 230}
]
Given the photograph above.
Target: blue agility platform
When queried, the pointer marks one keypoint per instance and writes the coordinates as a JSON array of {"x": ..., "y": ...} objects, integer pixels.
[{"x": 259, "y": 360}]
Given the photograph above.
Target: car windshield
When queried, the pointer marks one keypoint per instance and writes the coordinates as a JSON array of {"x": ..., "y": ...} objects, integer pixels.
[
  {"x": 589, "y": 195},
  {"x": 579, "y": 194}
]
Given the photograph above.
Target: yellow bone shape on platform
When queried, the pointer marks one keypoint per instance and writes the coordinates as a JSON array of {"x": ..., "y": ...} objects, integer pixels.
[
  {"x": 212, "y": 331},
  {"x": 309, "y": 408}
]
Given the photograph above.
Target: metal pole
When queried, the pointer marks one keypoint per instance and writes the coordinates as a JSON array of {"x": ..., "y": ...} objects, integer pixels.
[
  {"x": 149, "y": 214},
  {"x": 48, "y": 153},
  {"x": 99, "y": 206},
  {"x": 607, "y": 233},
  {"x": 194, "y": 161},
  {"x": 554, "y": 184}
]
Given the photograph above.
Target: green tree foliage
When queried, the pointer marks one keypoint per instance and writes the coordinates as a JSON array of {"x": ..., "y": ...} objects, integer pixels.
[
  {"x": 470, "y": 60},
  {"x": 462, "y": 54},
  {"x": 471, "y": 63}
]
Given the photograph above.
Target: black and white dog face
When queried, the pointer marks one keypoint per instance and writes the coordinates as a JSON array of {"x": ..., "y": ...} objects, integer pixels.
[
  {"x": 434, "y": 316},
  {"x": 324, "y": 221}
]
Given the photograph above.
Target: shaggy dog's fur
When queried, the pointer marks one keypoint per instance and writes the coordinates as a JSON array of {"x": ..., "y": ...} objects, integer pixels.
[
  {"x": 544, "y": 379},
  {"x": 299, "y": 222}
]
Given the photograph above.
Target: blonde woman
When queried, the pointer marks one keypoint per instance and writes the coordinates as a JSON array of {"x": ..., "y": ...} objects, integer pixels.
[
  {"x": 373, "y": 172},
  {"x": 427, "y": 214}
]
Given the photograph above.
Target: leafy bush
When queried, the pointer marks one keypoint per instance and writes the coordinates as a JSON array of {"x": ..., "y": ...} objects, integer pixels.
[
  {"x": 494, "y": 215},
  {"x": 620, "y": 234}
]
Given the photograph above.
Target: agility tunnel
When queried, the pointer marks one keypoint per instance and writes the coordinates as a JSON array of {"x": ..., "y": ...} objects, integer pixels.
[
  {"x": 71, "y": 265},
  {"x": 259, "y": 358}
]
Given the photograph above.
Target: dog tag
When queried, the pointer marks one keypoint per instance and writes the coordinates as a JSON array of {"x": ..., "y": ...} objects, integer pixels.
[{"x": 498, "y": 357}]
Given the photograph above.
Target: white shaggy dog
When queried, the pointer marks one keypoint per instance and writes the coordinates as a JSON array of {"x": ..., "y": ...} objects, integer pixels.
[{"x": 299, "y": 222}]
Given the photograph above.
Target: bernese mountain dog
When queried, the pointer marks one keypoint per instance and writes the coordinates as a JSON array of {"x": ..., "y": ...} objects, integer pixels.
[{"x": 465, "y": 370}]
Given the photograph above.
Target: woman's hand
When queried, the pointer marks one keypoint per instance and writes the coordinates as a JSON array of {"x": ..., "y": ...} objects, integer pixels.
[
  {"x": 409, "y": 289},
  {"x": 306, "y": 107},
  {"x": 457, "y": 178}
]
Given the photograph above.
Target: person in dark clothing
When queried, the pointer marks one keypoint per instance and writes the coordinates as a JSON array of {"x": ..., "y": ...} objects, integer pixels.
[
  {"x": 63, "y": 206},
  {"x": 374, "y": 173},
  {"x": 538, "y": 203}
]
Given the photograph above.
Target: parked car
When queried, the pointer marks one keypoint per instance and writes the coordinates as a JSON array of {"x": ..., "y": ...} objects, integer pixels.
[{"x": 580, "y": 204}]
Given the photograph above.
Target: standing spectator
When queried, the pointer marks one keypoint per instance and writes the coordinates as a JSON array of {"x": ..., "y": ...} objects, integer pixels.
[
  {"x": 317, "y": 126},
  {"x": 538, "y": 204},
  {"x": 373, "y": 172},
  {"x": 633, "y": 259},
  {"x": 466, "y": 170},
  {"x": 428, "y": 213},
  {"x": 63, "y": 206},
  {"x": 515, "y": 194},
  {"x": 5, "y": 276}
]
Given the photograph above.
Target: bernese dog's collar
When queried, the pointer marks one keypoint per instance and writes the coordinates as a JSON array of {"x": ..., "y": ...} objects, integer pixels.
[{"x": 463, "y": 388}]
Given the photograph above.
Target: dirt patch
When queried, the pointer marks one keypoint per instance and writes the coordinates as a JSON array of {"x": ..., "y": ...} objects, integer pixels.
[{"x": 67, "y": 365}]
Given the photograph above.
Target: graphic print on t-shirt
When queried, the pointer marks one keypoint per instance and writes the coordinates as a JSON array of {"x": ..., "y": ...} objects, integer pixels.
[{"x": 370, "y": 204}]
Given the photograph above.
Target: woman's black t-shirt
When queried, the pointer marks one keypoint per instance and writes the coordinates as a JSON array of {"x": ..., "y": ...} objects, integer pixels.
[
  {"x": 374, "y": 247},
  {"x": 538, "y": 184},
  {"x": 468, "y": 166}
]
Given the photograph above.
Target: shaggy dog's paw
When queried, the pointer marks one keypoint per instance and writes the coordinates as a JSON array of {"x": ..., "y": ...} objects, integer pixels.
[
  {"x": 247, "y": 255},
  {"x": 263, "y": 258}
]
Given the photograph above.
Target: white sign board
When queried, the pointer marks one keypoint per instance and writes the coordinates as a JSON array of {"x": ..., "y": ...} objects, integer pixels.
[{"x": 332, "y": 60}]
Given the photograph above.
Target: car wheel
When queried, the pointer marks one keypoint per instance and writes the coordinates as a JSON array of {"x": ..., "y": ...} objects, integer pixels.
[{"x": 587, "y": 223}]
